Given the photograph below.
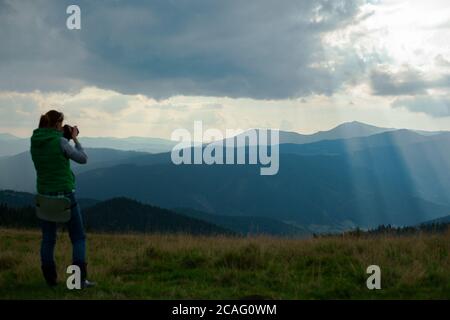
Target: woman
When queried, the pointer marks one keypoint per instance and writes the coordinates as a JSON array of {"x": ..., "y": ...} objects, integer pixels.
[{"x": 51, "y": 154}]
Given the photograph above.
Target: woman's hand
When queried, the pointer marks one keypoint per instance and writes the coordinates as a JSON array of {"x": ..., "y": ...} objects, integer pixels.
[{"x": 75, "y": 132}]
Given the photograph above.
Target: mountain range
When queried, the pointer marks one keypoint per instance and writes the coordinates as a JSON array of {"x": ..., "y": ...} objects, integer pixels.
[
  {"x": 352, "y": 175},
  {"x": 17, "y": 172},
  {"x": 12, "y": 145},
  {"x": 126, "y": 215}
]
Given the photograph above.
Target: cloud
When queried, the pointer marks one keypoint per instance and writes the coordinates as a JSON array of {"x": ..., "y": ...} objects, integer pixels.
[
  {"x": 441, "y": 61},
  {"x": 105, "y": 112},
  {"x": 17, "y": 110},
  {"x": 407, "y": 81},
  {"x": 260, "y": 49},
  {"x": 434, "y": 106}
]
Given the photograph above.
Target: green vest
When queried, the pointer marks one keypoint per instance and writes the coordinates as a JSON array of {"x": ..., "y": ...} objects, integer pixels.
[{"x": 52, "y": 167}]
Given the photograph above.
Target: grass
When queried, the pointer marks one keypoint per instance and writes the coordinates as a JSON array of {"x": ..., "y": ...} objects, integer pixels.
[{"x": 194, "y": 267}]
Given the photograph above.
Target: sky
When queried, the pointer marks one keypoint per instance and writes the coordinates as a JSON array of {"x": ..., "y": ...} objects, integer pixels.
[{"x": 146, "y": 68}]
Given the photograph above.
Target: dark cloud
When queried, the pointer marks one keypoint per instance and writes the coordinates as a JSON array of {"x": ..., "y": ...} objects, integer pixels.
[
  {"x": 436, "y": 107},
  {"x": 404, "y": 82},
  {"x": 258, "y": 49},
  {"x": 408, "y": 81}
]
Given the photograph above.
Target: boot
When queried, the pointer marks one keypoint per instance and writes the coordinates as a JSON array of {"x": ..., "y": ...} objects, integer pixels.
[
  {"x": 50, "y": 274},
  {"x": 83, "y": 270}
]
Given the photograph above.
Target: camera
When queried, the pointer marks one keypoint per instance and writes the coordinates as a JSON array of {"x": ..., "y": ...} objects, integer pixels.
[{"x": 67, "y": 131}]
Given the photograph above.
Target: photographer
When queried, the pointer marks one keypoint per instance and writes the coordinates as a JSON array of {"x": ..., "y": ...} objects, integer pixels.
[{"x": 51, "y": 153}]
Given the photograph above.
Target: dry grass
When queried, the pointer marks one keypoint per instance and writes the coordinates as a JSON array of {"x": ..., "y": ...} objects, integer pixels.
[{"x": 160, "y": 266}]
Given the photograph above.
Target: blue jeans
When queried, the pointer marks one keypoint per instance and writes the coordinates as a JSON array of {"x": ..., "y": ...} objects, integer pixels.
[{"x": 76, "y": 233}]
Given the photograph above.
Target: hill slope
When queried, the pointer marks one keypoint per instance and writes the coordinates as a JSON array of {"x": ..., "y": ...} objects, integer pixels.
[
  {"x": 441, "y": 220},
  {"x": 248, "y": 225},
  {"x": 237, "y": 224},
  {"x": 18, "y": 171},
  {"x": 16, "y": 199},
  {"x": 119, "y": 215}
]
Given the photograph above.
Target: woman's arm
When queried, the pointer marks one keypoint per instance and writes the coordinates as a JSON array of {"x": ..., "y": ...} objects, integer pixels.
[{"x": 77, "y": 154}]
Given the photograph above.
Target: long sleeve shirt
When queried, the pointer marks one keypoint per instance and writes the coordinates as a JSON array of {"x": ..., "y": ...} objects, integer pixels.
[{"x": 76, "y": 153}]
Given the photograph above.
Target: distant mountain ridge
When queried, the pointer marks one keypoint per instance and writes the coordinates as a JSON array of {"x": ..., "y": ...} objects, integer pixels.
[
  {"x": 8, "y": 137},
  {"x": 343, "y": 131},
  {"x": 399, "y": 138},
  {"x": 12, "y": 145},
  {"x": 398, "y": 177},
  {"x": 17, "y": 172}
]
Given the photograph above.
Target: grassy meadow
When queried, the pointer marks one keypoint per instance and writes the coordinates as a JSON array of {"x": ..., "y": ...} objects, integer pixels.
[{"x": 132, "y": 266}]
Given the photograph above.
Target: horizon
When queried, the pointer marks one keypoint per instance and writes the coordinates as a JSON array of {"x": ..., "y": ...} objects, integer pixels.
[{"x": 246, "y": 129}]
